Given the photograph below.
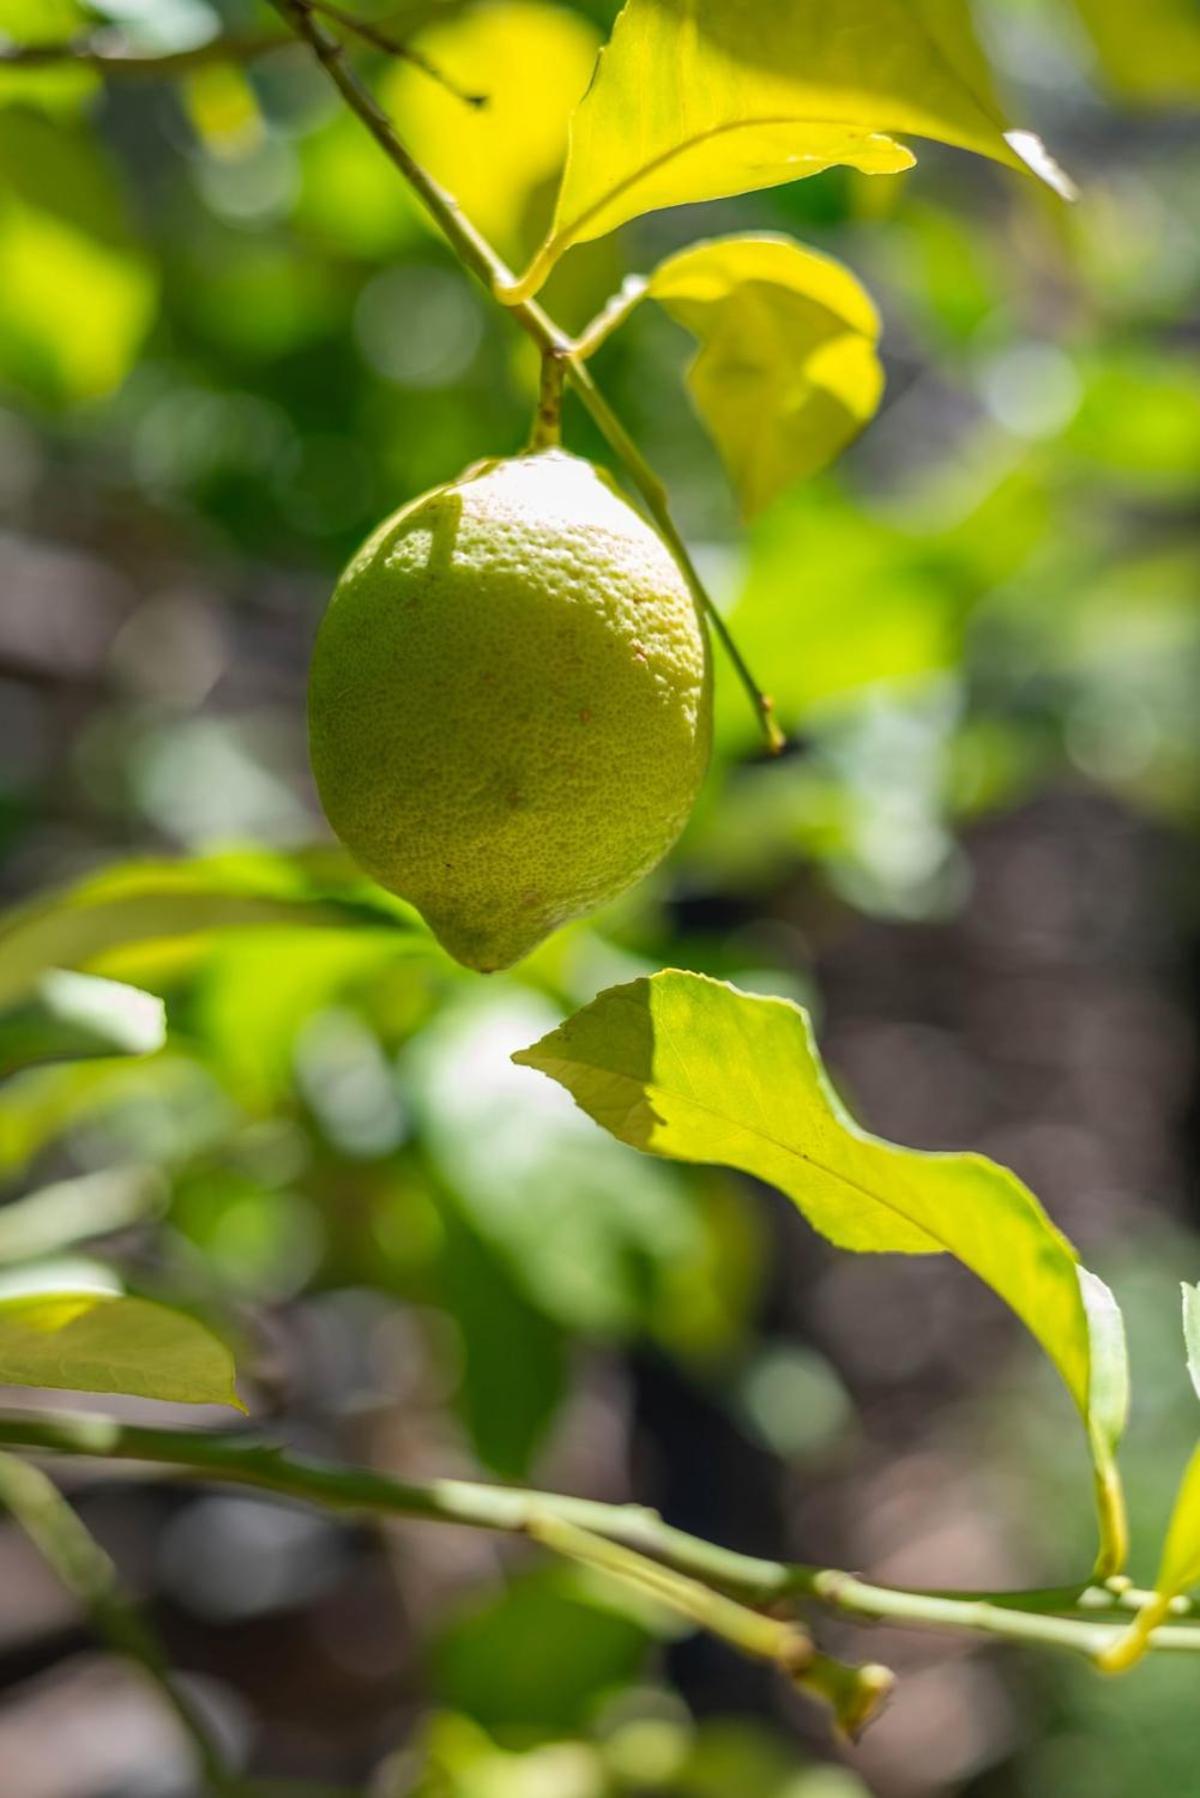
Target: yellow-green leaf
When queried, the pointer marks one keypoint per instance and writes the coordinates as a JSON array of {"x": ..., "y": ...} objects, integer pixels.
[
  {"x": 95, "y": 1340},
  {"x": 144, "y": 902},
  {"x": 788, "y": 371},
  {"x": 77, "y": 1017},
  {"x": 532, "y": 63},
  {"x": 77, "y": 293},
  {"x": 698, "y": 99},
  {"x": 690, "y": 1068}
]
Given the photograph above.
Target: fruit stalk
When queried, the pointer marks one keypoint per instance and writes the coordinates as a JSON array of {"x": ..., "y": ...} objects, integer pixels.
[{"x": 477, "y": 255}]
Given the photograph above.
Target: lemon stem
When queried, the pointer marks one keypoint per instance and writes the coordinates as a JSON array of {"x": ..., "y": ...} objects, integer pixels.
[
  {"x": 477, "y": 255},
  {"x": 547, "y": 420}
]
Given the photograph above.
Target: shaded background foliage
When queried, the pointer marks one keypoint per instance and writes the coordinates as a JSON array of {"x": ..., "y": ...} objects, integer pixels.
[{"x": 228, "y": 344}]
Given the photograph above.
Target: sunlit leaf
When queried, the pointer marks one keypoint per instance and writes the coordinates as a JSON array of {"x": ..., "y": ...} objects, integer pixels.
[
  {"x": 697, "y": 99},
  {"x": 76, "y": 1017},
  {"x": 690, "y": 1068},
  {"x": 77, "y": 293},
  {"x": 147, "y": 901},
  {"x": 1191, "y": 1332},
  {"x": 788, "y": 372},
  {"x": 92, "y": 1339},
  {"x": 532, "y": 62}
]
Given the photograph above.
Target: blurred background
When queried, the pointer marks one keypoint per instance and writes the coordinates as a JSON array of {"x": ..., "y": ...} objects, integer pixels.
[{"x": 229, "y": 344}]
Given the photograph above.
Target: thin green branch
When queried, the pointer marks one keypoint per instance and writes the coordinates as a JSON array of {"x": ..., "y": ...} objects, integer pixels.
[
  {"x": 63, "y": 1541},
  {"x": 243, "y": 1460},
  {"x": 855, "y": 1694},
  {"x": 612, "y": 316},
  {"x": 107, "y": 53},
  {"x": 391, "y": 46},
  {"x": 477, "y": 254}
]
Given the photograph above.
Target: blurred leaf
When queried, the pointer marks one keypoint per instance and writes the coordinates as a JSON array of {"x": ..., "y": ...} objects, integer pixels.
[
  {"x": 532, "y": 62},
  {"x": 146, "y": 901},
  {"x": 539, "y": 1656},
  {"x": 1150, "y": 52},
  {"x": 351, "y": 198},
  {"x": 76, "y": 1017},
  {"x": 222, "y": 105},
  {"x": 71, "y": 1211},
  {"x": 58, "y": 87},
  {"x": 97, "y": 1341},
  {"x": 788, "y": 373},
  {"x": 687, "y": 1067},
  {"x": 1140, "y": 420},
  {"x": 584, "y": 1235},
  {"x": 77, "y": 293},
  {"x": 698, "y": 99},
  {"x": 835, "y": 600},
  {"x": 258, "y": 988},
  {"x": 514, "y": 1370}
]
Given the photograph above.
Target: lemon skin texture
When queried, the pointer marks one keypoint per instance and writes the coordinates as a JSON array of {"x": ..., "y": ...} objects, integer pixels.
[{"x": 510, "y": 703}]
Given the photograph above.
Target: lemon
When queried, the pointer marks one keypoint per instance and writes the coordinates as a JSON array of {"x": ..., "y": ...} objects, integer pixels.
[{"x": 510, "y": 703}]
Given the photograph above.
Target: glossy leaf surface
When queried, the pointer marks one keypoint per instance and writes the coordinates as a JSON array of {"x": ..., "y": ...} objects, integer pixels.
[{"x": 698, "y": 99}]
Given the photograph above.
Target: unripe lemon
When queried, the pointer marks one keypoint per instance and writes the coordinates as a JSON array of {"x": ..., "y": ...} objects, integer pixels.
[{"x": 510, "y": 703}]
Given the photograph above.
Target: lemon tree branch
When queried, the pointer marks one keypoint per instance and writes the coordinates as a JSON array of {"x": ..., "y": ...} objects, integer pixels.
[{"x": 1082, "y": 1619}]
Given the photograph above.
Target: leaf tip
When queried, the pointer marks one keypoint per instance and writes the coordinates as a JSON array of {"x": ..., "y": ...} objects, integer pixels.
[{"x": 1037, "y": 159}]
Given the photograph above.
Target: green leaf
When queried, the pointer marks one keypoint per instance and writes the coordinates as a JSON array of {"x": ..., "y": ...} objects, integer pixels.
[
  {"x": 1179, "y": 1566},
  {"x": 77, "y": 293},
  {"x": 690, "y": 1068},
  {"x": 575, "y": 1644},
  {"x": 788, "y": 372},
  {"x": 698, "y": 99},
  {"x": 145, "y": 902},
  {"x": 94, "y": 1340},
  {"x": 1107, "y": 1410},
  {"x": 513, "y": 1355},
  {"x": 77, "y": 1017},
  {"x": 1191, "y": 1332}
]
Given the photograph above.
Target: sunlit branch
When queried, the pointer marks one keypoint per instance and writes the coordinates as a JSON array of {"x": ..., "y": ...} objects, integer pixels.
[{"x": 1031, "y": 1617}]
